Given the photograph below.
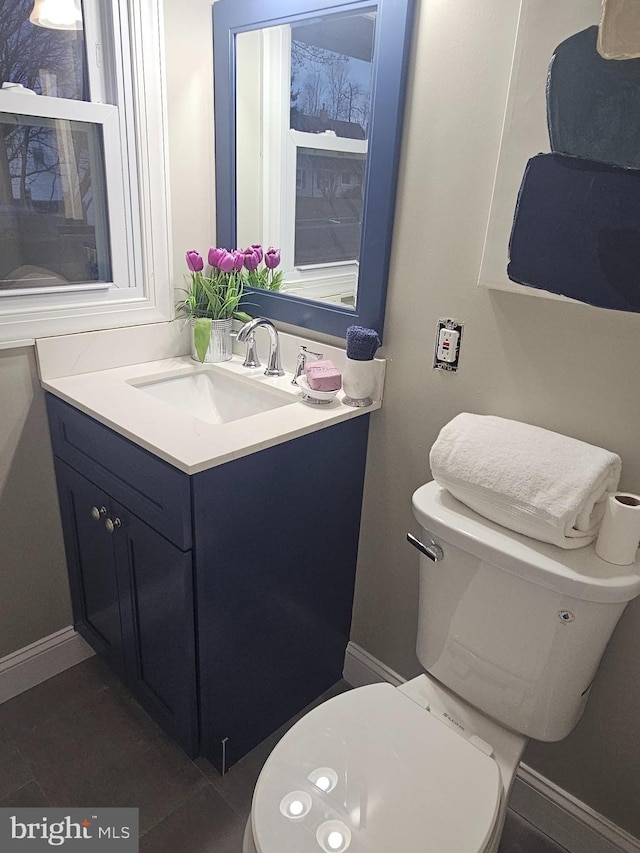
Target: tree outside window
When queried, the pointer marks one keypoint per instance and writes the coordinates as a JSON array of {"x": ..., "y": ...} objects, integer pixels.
[
  {"x": 331, "y": 68},
  {"x": 50, "y": 62},
  {"x": 47, "y": 166}
]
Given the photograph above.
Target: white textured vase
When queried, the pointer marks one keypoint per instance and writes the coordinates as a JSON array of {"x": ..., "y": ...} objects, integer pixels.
[
  {"x": 220, "y": 343},
  {"x": 358, "y": 382}
]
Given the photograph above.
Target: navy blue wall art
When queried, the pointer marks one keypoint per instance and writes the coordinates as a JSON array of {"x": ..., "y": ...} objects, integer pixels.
[
  {"x": 568, "y": 222},
  {"x": 577, "y": 231},
  {"x": 594, "y": 103}
]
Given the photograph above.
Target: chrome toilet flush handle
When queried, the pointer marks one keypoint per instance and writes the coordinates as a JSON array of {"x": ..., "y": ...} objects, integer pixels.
[{"x": 433, "y": 551}]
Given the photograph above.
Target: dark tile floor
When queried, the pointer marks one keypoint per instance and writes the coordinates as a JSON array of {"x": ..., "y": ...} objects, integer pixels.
[
  {"x": 519, "y": 836},
  {"x": 79, "y": 739}
]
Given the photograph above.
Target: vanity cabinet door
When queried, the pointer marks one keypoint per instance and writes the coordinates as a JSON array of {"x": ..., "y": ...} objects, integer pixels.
[
  {"x": 132, "y": 596},
  {"x": 155, "y": 579},
  {"x": 93, "y": 578}
]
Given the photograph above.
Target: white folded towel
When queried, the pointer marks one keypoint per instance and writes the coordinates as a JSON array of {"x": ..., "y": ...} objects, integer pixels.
[{"x": 531, "y": 480}]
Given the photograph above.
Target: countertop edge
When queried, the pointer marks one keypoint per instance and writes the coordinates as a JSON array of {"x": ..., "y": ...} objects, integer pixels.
[{"x": 195, "y": 459}]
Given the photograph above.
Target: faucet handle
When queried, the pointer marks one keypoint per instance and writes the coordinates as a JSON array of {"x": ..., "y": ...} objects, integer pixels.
[
  {"x": 307, "y": 353},
  {"x": 303, "y": 355},
  {"x": 251, "y": 358}
]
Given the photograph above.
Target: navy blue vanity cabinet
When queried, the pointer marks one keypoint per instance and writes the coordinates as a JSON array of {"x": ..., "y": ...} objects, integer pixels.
[
  {"x": 222, "y": 599},
  {"x": 131, "y": 587},
  {"x": 276, "y": 547}
]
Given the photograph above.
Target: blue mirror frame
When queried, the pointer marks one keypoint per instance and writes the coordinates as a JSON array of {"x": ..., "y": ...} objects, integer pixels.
[{"x": 391, "y": 55}]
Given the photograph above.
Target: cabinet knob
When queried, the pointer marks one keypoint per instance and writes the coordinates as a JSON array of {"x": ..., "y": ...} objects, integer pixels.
[
  {"x": 96, "y": 514},
  {"x": 112, "y": 525}
]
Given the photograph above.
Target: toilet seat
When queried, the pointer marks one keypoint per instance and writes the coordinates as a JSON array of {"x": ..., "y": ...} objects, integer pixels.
[{"x": 404, "y": 781}]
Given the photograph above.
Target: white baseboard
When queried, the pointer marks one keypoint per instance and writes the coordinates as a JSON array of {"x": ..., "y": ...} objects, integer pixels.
[
  {"x": 361, "y": 668},
  {"x": 568, "y": 821},
  {"x": 40, "y": 661}
]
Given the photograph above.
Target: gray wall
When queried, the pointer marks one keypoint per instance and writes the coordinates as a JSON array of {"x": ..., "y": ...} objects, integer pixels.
[
  {"x": 34, "y": 601},
  {"x": 523, "y": 357}
]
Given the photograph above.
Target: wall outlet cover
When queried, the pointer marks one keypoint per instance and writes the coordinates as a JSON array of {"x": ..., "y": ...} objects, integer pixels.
[{"x": 447, "y": 349}]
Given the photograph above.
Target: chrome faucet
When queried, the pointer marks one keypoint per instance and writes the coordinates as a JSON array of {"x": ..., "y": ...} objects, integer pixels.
[
  {"x": 301, "y": 363},
  {"x": 274, "y": 368}
]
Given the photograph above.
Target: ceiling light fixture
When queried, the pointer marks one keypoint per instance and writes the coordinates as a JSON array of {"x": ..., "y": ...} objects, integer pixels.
[{"x": 57, "y": 14}]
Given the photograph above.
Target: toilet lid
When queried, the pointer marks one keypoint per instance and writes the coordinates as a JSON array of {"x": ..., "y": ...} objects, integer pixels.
[{"x": 398, "y": 779}]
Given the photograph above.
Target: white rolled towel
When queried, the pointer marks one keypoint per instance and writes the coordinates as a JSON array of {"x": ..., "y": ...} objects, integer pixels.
[{"x": 548, "y": 486}]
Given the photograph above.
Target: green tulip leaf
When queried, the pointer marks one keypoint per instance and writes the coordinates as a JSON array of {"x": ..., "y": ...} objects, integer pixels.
[{"x": 202, "y": 336}]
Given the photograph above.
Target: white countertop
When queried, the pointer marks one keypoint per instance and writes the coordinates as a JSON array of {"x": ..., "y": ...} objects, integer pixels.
[{"x": 187, "y": 442}]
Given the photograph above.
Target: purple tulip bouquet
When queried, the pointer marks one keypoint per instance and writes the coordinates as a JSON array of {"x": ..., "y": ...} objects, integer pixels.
[
  {"x": 212, "y": 297},
  {"x": 218, "y": 296}
]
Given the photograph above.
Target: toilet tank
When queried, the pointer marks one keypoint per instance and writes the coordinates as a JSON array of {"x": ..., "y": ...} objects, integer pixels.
[{"x": 514, "y": 626}]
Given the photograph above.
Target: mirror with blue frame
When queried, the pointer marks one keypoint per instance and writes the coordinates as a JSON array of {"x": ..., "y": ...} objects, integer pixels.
[{"x": 308, "y": 111}]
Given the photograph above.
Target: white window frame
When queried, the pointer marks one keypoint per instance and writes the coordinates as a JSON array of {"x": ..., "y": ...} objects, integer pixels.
[
  {"x": 336, "y": 281},
  {"x": 126, "y": 36},
  {"x": 106, "y": 117}
]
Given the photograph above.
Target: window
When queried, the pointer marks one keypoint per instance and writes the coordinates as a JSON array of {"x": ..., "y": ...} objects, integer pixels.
[
  {"x": 83, "y": 217},
  {"x": 313, "y": 150},
  {"x": 56, "y": 228},
  {"x": 44, "y": 60}
]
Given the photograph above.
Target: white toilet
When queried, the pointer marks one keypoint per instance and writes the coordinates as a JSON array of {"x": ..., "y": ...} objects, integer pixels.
[{"x": 511, "y": 632}]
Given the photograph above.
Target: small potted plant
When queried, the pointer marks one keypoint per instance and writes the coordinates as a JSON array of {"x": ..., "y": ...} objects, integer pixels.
[{"x": 213, "y": 301}]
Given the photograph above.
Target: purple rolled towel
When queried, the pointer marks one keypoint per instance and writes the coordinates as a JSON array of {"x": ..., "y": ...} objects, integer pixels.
[{"x": 362, "y": 343}]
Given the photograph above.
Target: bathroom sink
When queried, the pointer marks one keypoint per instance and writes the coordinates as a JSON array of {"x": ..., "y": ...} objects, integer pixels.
[{"x": 214, "y": 397}]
